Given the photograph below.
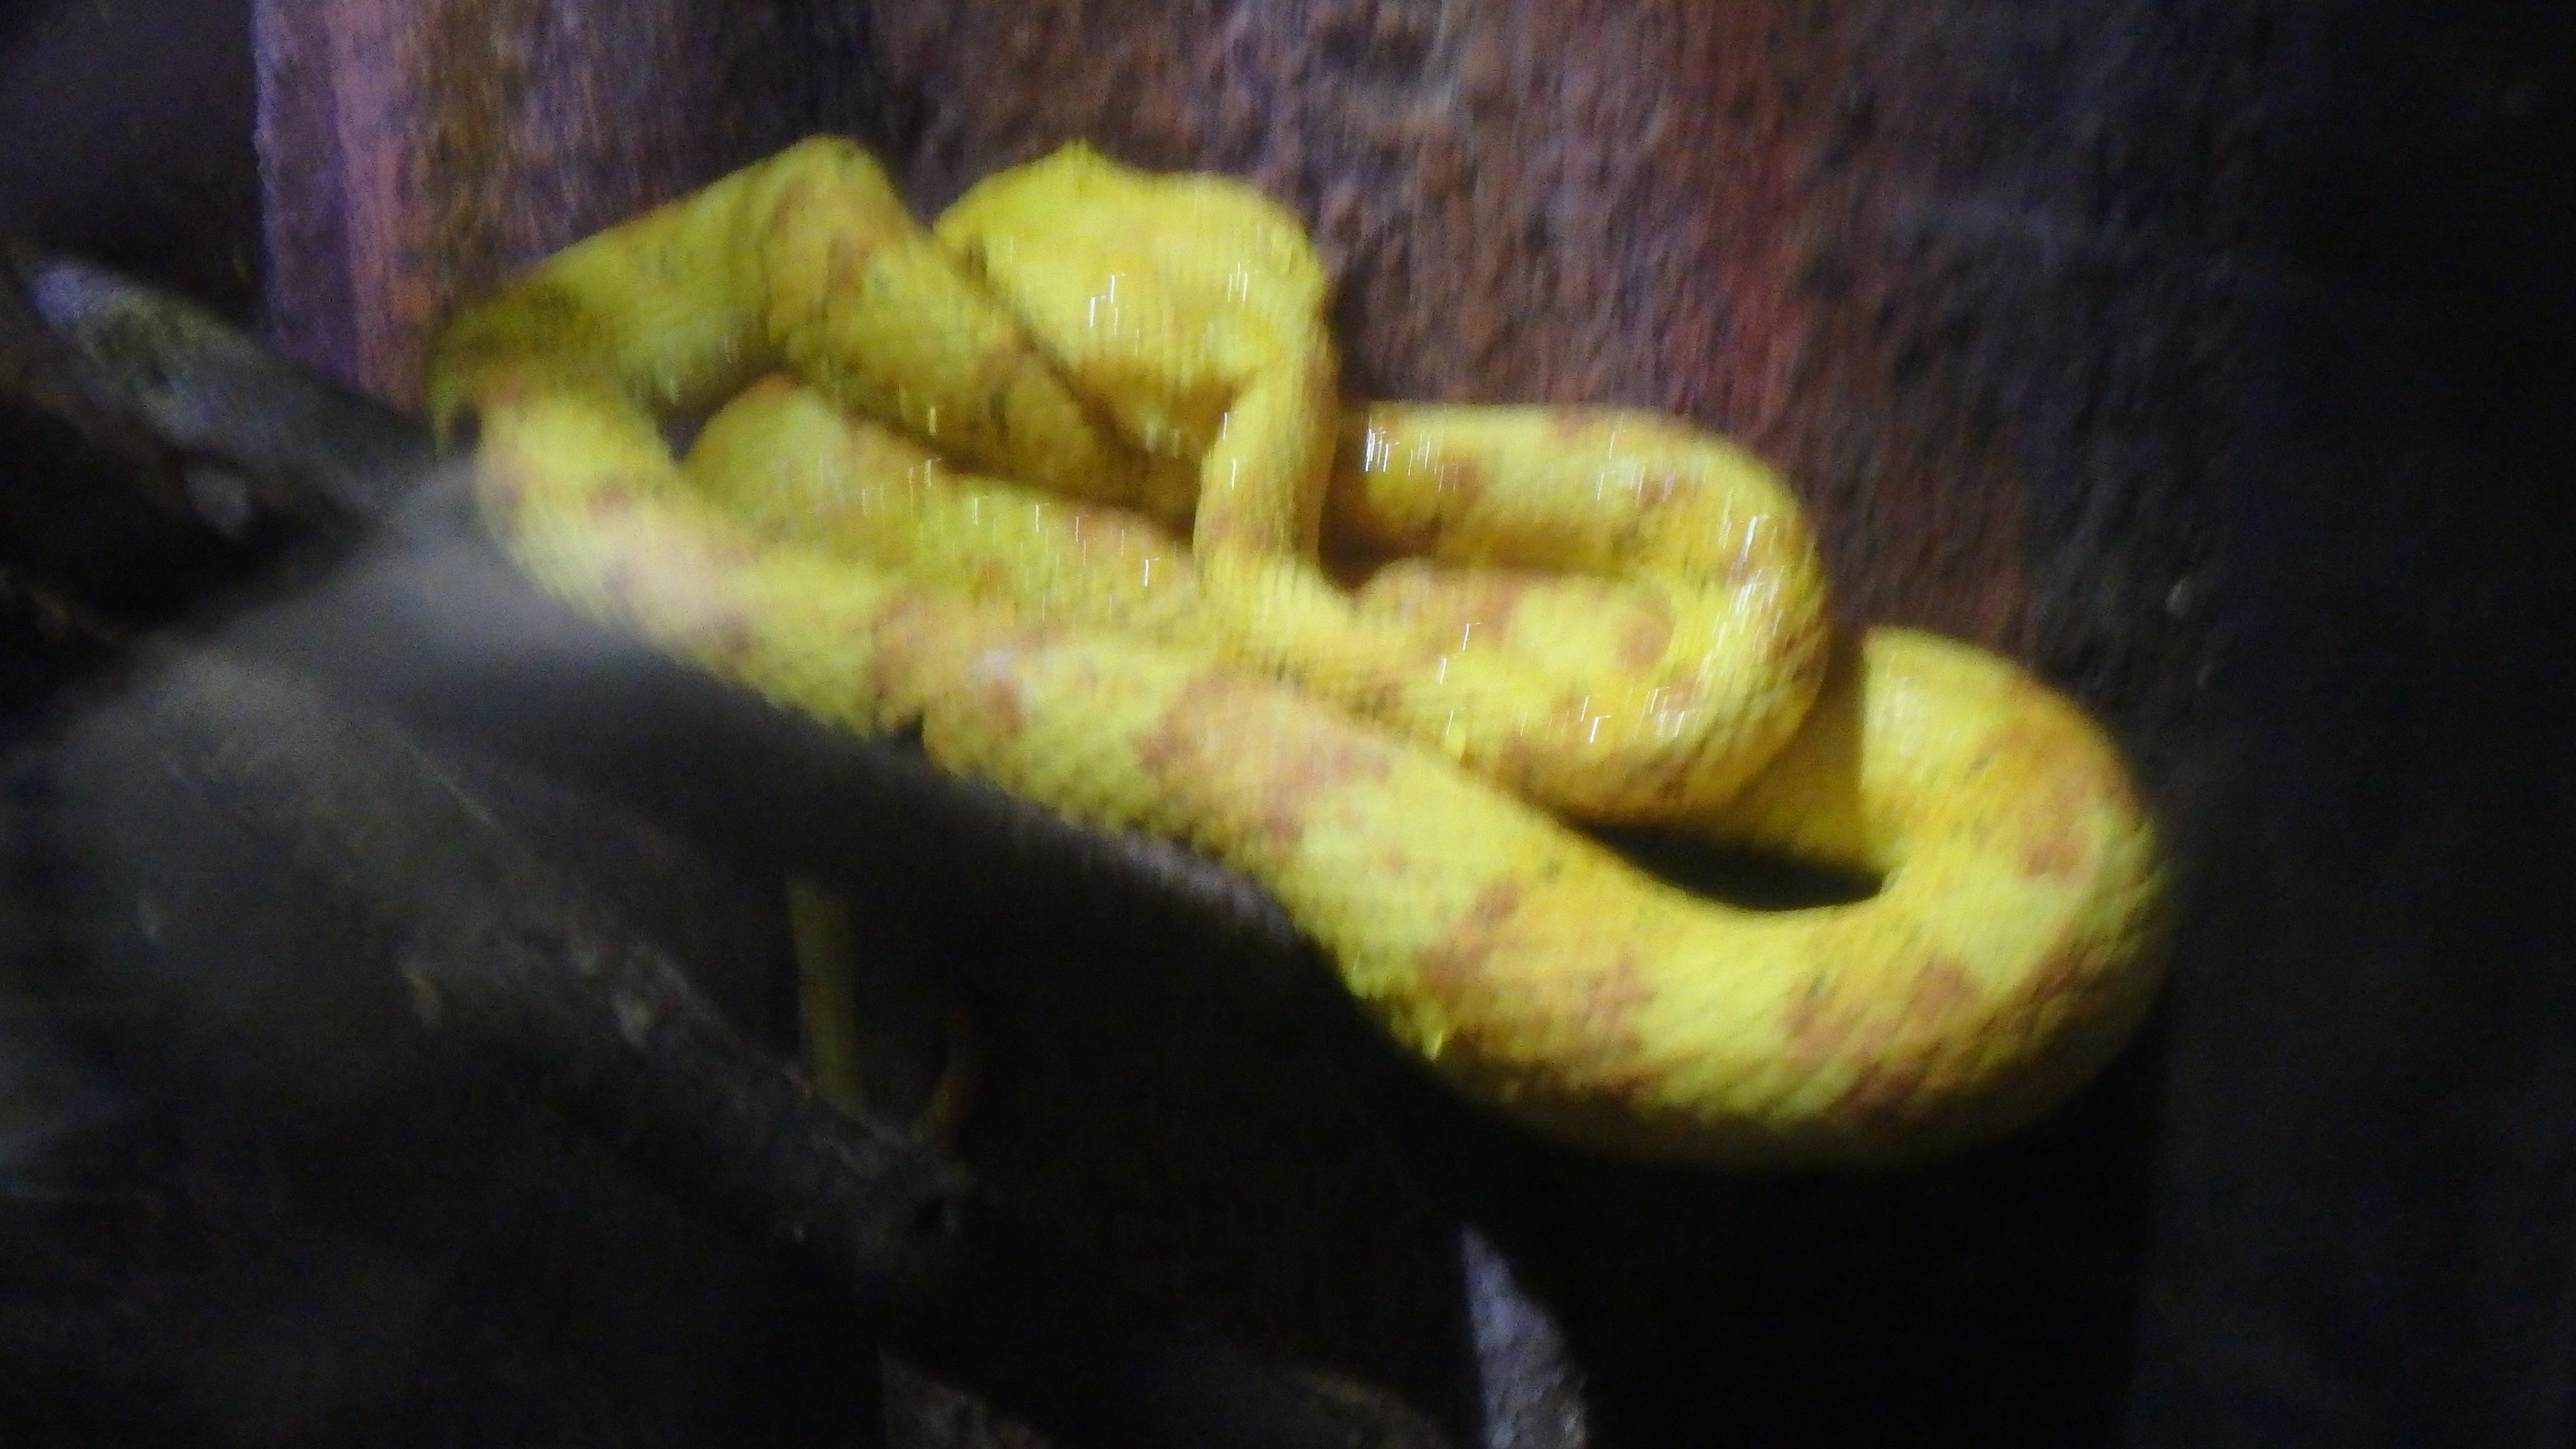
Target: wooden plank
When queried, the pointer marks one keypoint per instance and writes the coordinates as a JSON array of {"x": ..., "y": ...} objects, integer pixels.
[
  {"x": 1962, "y": 271},
  {"x": 417, "y": 151}
]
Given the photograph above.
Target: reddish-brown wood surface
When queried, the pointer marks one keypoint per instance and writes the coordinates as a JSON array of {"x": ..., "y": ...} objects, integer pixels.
[
  {"x": 413, "y": 151},
  {"x": 1959, "y": 270}
]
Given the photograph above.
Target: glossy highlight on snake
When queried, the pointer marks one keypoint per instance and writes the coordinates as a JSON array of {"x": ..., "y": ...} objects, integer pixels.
[{"x": 1065, "y": 482}]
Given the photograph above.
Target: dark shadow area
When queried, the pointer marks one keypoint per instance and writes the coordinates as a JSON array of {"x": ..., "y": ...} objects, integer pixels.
[
  {"x": 130, "y": 140},
  {"x": 1737, "y": 875},
  {"x": 2367, "y": 1187},
  {"x": 1987, "y": 1299}
]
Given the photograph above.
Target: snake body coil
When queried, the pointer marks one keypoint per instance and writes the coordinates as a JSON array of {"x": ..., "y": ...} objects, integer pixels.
[{"x": 1066, "y": 484}]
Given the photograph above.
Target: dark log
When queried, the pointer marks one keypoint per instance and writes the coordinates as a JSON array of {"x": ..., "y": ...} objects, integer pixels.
[
  {"x": 148, "y": 366},
  {"x": 42, "y": 369},
  {"x": 495, "y": 954},
  {"x": 499, "y": 954},
  {"x": 82, "y": 474},
  {"x": 485, "y": 658},
  {"x": 128, "y": 139},
  {"x": 261, "y": 1203}
]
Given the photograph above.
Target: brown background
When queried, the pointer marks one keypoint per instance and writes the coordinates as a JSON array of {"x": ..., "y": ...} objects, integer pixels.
[{"x": 1962, "y": 270}]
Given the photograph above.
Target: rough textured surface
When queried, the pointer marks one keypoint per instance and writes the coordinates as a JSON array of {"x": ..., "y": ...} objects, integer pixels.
[
  {"x": 412, "y": 150},
  {"x": 1964, "y": 270},
  {"x": 1961, "y": 270}
]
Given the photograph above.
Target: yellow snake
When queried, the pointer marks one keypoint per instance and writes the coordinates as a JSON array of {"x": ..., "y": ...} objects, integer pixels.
[{"x": 1065, "y": 483}]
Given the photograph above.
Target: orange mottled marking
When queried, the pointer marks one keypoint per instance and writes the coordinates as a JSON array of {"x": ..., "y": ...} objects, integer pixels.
[
  {"x": 1436, "y": 608},
  {"x": 497, "y": 387},
  {"x": 1489, "y": 599},
  {"x": 1460, "y": 487},
  {"x": 2061, "y": 986},
  {"x": 1263, "y": 755},
  {"x": 1881, "y": 1092},
  {"x": 1175, "y": 745},
  {"x": 1308, "y": 769},
  {"x": 1655, "y": 490},
  {"x": 2058, "y": 820},
  {"x": 610, "y": 503},
  {"x": 898, "y": 633},
  {"x": 643, "y": 575},
  {"x": 505, "y": 488},
  {"x": 1608, "y": 1002},
  {"x": 846, "y": 265},
  {"x": 1819, "y": 1024},
  {"x": 617, "y": 581},
  {"x": 2056, "y": 847},
  {"x": 1569, "y": 1035},
  {"x": 1454, "y": 966},
  {"x": 1582, "y": 1035},
  {"x": 1805, "y": 644},
  {"x": 1942, "y": 992},
  {"x": 1642, "y": 647},
  {"x": 996, "y": 690},
  {"x": 1895, "y": 1053},
  {"x": 1863, "y": 1021}
]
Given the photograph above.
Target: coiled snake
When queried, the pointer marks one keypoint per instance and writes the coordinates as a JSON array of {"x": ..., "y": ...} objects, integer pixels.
[{"x": 1065, "y": 482}]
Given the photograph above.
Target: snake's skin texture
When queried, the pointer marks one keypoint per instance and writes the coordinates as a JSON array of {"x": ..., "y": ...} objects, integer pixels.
[{"x": 1065, "y": 483}]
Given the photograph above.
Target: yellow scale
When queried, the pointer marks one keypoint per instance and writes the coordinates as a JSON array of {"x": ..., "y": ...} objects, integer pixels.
[{"x": 1067, "y": 482}]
